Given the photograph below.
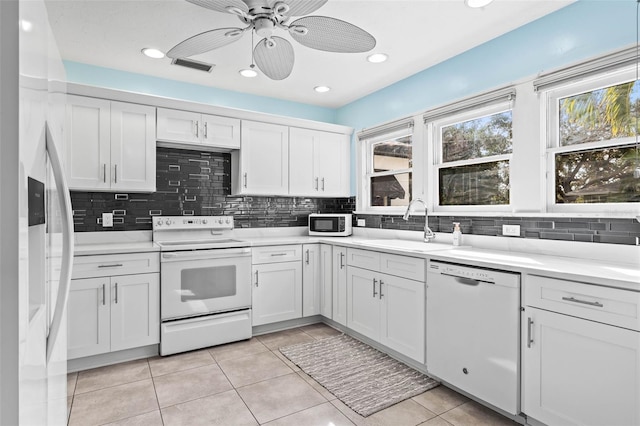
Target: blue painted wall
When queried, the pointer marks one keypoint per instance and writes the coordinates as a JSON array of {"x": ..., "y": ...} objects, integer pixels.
[
  {"x": 584, "y": 29},
  {"x": 120, "y": 80}
]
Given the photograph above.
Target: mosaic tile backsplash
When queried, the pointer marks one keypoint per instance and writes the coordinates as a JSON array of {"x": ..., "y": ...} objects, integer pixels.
[
  {"x": 198, "y": 183},
  {"x": 195, "y": 183},
  {"x": 594, "y": 230}
]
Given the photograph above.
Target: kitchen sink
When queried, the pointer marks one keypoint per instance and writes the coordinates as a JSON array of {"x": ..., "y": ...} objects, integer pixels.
[{"x": 411, "y": 245}]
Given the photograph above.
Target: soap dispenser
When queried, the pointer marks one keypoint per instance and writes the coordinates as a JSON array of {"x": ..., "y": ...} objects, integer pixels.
[{"x": 457, "y": 234}]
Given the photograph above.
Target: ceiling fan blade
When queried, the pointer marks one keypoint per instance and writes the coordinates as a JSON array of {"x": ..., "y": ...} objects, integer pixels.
[
  {"x": 332, "y": 35},
  {"x": 276, "y": 61},
  {"x": 301, "y": 7},
  {"x": 205, "y": 42},
  {"x": 220, "y": 5}
]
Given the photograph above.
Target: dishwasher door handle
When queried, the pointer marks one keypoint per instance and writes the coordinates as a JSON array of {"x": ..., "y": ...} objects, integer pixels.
[{"x": 466, "y": 280}]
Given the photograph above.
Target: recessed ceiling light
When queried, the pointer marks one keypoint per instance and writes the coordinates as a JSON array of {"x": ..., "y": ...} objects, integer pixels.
[
  {"x": 249, "y": 73},
  {"x": 376, "y": 58},
  {"x": 322, "y": 89},
  {"x": 477, "y": 3},
  {"x": 26, "y": 26},
  {"x": 152, "y": 53}
]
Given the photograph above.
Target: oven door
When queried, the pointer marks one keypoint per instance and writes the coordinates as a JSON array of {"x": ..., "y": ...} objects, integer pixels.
[{"x": 204, "y": 281}]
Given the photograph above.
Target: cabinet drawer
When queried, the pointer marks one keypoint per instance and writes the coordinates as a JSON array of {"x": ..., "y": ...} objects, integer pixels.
[
  {"x": 403, "y": 266},
  {"x": 115, "y": 264},
  {"x": 365, "y": 259},
  {"x": 603, "y": 304},
  {"x": 274, "y": 254}
]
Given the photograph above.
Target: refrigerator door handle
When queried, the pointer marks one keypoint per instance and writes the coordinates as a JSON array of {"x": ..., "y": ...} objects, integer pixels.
[{"x": 67, "y": 241}]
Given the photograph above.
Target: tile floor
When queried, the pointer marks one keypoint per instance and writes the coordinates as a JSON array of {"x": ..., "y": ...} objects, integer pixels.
[{"x": 244, "y": 383}]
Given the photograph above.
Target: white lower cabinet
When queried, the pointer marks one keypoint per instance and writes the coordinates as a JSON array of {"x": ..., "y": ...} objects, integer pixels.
[
  {"x": 339, "y": 285},
  {"x": 277, "y": 285},
  {"x": 326, "y": 280},
  {"x": 108, "y": 314},
  {"x": 579, "y": 371},
  {"x": 311, "y": 284},
  {"x": 386, "y": 308}
]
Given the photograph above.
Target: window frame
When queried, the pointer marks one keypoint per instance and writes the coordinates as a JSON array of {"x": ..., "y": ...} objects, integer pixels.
[
  {"x": 434, "y": 131},
  {"x": 551, "y": 142},
  {"x": 366, "y": 170}
]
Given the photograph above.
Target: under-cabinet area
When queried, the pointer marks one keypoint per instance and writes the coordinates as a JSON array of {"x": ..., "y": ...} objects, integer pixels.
[{"x": 536, "y": 349}]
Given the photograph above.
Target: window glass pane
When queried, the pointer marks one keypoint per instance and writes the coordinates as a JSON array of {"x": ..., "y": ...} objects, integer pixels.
[
  {"x": 391, "y": 190},
  {"x": 392, "y": 155},
  {"x": 599, "y": 115},
  {"x": 597, "y": 176},
  {"x": 481, "y": 137},
  {"x": 477, "y": 184}
]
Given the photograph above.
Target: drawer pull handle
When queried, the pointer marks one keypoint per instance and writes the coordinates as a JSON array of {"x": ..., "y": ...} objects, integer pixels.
[
  {"x": 584, "y": 302},
  {"x": 279, "y": 254},
  {"x": 115, "y": 265},
  {"x": 374, "y": 287},
  {"x": 529, "y": 332}
]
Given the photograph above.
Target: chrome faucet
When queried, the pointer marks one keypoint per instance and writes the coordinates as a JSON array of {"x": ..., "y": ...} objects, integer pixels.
[{"x": 428, "y": 233}]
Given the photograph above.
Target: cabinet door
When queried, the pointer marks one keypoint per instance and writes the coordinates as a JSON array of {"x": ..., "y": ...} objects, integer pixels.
[
  {"x": 403, "y": 311},
  {"x": 264, "y": 160},
  {"x": 326, "y": 280},
  {"x": 363, "y": 304},
  {"x": 277, "y": 292},
  {"x": 135, "y": 311},
  {"x": 178, "y": 126},
  {"x": 87, "y": 147},
  {"x": 303, "y": 176},
  {"x": 339, "y": 307},
  {"x": 310, "y": 280},
  {"x": 88, "y": 317},
  {"x": 222, "y": 132},
  {"x": 579, "y": 372},
  {"x": 331, "y": 154},
  {"x": 133, "y": 147}
]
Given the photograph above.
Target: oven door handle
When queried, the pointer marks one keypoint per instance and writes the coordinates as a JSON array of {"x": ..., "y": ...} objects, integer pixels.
[{"x": 205, "y": 254}]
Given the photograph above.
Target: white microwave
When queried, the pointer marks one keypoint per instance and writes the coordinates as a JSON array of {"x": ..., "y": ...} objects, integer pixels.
[{"x": 330, "y": 224}]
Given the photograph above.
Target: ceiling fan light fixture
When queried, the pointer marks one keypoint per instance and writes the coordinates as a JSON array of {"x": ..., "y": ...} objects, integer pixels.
[
  {"x": 248, "y": 72},
  {"x": 477, "y": 3},
  {"x": 322, "y": 89},
  {"x": 377, "y": 58},
  {"x": 152, "y": 53}
]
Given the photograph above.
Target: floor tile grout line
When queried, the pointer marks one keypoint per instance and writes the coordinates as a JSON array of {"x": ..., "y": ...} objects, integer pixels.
[
  {"x": 155, "y": 391},
  {"x": 189, "y": 368},
  {"x": 112, "y": 386},
  {"x": 296, "y": 412}
]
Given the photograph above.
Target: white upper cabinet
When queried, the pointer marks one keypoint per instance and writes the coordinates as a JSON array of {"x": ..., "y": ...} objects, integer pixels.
[
  {"x": 263, "y": 163},
  {"x": 194, "y": 128},
  {"x": 318, "y": 163},
  {"x": 110, "y": 145}
]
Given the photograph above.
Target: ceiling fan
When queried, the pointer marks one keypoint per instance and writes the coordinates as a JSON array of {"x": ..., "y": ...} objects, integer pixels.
[{"x": 273, "y": 54}]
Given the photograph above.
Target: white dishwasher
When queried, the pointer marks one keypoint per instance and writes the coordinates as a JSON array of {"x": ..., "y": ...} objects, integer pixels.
[{"x": 473, "y": 331}]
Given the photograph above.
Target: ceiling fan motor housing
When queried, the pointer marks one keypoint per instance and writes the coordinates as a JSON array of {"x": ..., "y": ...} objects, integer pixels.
[{"x": 264, "y": 26}]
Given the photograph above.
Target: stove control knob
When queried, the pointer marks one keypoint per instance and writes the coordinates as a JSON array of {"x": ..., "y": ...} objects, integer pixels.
[
  {"x": 168, "y": 222},
  {"x": 159, "y": 222},
  {"x": 228, "y": 220},
  {"x": 220, "y": 221},
  {"x": 204, "y": 221}
]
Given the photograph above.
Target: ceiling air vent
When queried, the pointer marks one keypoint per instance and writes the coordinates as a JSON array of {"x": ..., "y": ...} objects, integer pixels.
[{"x": 195, "y": 65}]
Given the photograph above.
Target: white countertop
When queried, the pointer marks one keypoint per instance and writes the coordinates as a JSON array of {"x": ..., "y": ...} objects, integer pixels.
[{"x": 604, "y": 271}]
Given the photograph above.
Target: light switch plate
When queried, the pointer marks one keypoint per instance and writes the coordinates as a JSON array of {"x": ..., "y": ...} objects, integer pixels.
[
  {"x": 107, "y": 220},
  {"x": 362, "y": 222},
  {"x": 511, "y": 230}
]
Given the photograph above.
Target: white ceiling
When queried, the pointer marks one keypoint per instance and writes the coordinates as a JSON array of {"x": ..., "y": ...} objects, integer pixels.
[{"x": 415, "y": 34}]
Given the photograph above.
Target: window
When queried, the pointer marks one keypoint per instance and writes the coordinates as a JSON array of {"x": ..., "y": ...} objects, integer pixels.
[
  {"x": 592, "y": 148},
  {"x": 388, "y": 168},
  {"x": 474, "y": 150}
]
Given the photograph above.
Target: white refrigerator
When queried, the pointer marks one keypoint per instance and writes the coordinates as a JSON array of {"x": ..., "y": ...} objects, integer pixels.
[{"x": 38, "y": 240}]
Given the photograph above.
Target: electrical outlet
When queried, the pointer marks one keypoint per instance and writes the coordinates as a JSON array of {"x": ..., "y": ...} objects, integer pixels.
[
  {"x": 362, "y": 222},
  {"x": 511, "y": 230},
  {"x": 107, "y": 220}
]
